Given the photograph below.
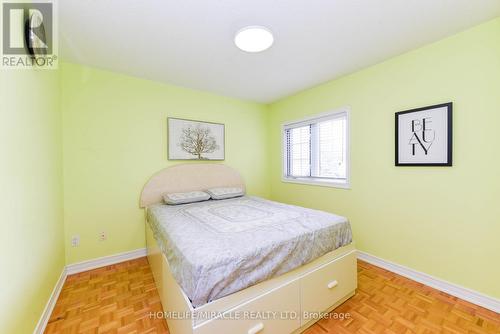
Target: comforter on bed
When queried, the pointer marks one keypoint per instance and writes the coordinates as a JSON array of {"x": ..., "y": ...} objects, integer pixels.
[{"x": 215, "y": 248}]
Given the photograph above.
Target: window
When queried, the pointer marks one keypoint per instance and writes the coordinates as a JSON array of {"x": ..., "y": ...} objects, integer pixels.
[{"x": 316, "y": 150}]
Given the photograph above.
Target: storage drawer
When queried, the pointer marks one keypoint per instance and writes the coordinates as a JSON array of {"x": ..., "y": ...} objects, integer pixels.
[
  {"x": 277, "y": 302},
  {"x": 328, "y": 284}
]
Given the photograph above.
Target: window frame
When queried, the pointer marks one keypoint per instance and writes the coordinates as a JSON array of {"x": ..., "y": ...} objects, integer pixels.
[{"x": 318, "y": 181}]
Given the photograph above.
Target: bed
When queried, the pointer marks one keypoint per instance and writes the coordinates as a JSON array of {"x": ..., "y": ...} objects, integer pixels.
[{"x": 246, "y": 264}]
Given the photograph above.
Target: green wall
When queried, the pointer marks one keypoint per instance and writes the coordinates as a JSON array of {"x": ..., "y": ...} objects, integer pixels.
[
  {"x": 442, "y": 221},
  {"x": 31, "y": 235},
  {"x": 114, "y": 131}
]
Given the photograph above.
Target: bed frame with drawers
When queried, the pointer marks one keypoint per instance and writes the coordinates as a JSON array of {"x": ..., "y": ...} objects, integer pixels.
[{"x": 286, "y": 304}]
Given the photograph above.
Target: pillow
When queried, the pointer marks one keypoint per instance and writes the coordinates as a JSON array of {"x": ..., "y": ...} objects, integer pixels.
[
  {"x": 184, "y": 198},
  {"x": 223, "y": 193}
]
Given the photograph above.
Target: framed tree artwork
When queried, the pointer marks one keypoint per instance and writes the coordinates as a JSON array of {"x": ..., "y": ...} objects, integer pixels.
[
  {"x": 195, "y": 140},
  {"x": 424, "y": 136}
]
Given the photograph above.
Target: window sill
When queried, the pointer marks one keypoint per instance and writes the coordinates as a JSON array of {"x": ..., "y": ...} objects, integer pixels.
[{"x": 316, "y": 182}]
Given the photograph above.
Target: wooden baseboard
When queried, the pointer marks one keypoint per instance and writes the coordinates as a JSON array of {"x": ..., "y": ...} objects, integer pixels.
[
  {"x": 469, "y": 295},
  {"x": 104, "y": 261},
  {"x": 49, "y": 307}
]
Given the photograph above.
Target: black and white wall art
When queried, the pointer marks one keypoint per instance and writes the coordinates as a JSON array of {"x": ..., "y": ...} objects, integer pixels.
[
  {"x": 424, "y": 136},
  {"x": 195, "y": 140}
]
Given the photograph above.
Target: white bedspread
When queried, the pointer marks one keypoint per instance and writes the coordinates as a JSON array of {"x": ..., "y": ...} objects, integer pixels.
[{"x": 215, "y": 248}]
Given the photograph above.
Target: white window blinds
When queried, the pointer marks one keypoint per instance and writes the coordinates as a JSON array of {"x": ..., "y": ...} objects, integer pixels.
[
  {"x": 317, "y": 148},
  {"x": 299, "y": 150}
]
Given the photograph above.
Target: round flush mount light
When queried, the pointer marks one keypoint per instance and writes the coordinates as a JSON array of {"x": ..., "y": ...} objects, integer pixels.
[{"x": 254, "y": 39}]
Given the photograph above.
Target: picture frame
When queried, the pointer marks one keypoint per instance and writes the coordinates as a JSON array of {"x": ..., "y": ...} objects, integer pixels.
[
  {"x": 184, "y": 141},
  {"x": 424, "y": 136}
]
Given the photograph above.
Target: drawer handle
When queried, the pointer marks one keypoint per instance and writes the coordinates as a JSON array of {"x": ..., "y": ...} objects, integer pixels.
[
  {"x": 257, "y": 328},
  {"x": 332, "y": 284}
]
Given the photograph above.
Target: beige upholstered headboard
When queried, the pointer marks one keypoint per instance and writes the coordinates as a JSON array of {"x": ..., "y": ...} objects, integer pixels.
[{"x": 188, "y": 177}]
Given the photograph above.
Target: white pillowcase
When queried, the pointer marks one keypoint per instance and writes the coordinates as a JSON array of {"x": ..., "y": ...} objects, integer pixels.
[
  {"x": 223, "y": 193},
  {"x": 184, "y": 198}
]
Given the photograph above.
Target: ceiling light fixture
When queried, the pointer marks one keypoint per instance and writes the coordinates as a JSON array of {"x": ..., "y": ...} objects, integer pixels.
[{"x": 254, "y": 39}]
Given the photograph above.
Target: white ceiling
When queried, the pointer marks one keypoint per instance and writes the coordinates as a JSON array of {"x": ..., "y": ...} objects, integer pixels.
[{"x": 190, "y": 42}]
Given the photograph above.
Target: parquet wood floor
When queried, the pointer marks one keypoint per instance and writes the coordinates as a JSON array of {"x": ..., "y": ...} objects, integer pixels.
[
  {"x": 113, "y": 299},
  {"x": 391, "y": 304},
  {"x": 119, "y": 299}
]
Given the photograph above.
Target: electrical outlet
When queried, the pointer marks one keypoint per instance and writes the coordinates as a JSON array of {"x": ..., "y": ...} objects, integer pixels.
[
  {"x": 75, "y": 241},
  {"x": 103, "y": 236}
]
